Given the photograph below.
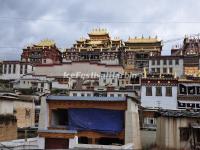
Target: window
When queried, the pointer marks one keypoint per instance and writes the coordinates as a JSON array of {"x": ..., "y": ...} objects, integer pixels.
[
  {"x": 5, "y": 68},
  {"x": 42, "y": 85},
  {"x": 153, "y": 70},
  {"x": 171, "y": 70},
  {"x": 88, "y": 94},
  {"x": 164, "y": 70},
  {"x": 45, "y": 61},
  {"x": 149, "y": 91},
  {"x": 119, "y": 95},
  {"x": 14, "y": 68},
  {"x": 153, "y": 62},
  {"x": 168, "y": 91},
  {"x": 21, "y": 69},
  {"x": 9, "y": 69},
  {"x": 82, "y": 94},
  {"x": 158, "y": 62},
  {"x": 164, "y": 62},
  {"x": 104, "y": 81},
  {"x": 111, "y": 95},
  {"x": 158, "y": 91},
  {"x": 177, "y": 62},
  {"x": 170, "y": 62},
  {"x": 158, "y": 70},
  {"x": 74, "y": 94},
  {"x": 25, "y": 71},
  {"x": 113, "y": 80}
]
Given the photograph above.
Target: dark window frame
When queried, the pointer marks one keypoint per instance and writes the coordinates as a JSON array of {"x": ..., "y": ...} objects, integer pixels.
[
  {"x": 159, "y": 91},
  {"x": 149, "y": 91}
]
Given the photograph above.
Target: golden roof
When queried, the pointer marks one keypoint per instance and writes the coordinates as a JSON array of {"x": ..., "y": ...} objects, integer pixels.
[
  {"x": 98, "y": 31},
  {"x": 46, "y": 42},
  {"x": 143, "y": 40},
  {"x": 94, "y": 42}
]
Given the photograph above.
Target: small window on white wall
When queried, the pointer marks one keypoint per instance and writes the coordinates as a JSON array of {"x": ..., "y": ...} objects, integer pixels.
[
  {"x": 168, "y": 91},
  {"x": 148, "y": 91},
  {"x": 74, "y": 94},
  {"x": 158, "y": 91}
]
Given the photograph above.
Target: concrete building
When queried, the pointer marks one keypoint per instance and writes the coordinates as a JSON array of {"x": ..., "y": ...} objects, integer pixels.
[
  {"x": 166, "y": 65},
  {"x": 12, "y": 70},
  {"x": 34, "y": 83},
  {"x": 159, "y": 92},
  {"x": 56, "y": 130},
  {"x": 178, "y": 130}
]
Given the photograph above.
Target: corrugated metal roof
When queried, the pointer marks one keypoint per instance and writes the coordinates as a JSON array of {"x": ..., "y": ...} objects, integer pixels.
[
  {"x": 84, "y": 98},
  {"x": 58, "y": 131}
]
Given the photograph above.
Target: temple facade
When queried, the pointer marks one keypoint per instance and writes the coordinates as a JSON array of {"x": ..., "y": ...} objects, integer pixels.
[
  {"x": 190, "y": 50},
  {"x": 136, "y": 51},
  {"x": 45, "y": 52},
  {"x": 99, "y": 47}
]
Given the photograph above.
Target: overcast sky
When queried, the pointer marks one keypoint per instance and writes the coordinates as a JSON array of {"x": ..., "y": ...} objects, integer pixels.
[{"x": 28, "y": 21}]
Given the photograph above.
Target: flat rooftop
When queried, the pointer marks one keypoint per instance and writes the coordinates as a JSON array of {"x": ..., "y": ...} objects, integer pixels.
[{"x": 84, "y": 98}]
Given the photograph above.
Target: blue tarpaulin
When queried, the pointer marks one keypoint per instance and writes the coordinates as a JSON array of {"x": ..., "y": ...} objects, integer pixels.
[{"x": 100, "y": 120}]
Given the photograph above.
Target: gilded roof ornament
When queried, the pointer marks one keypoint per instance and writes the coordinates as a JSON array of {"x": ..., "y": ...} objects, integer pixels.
[
  {"x": 98, "y": 31},
  {"x": 46, "y": 42},
  {"x": 143, "y": 40}
]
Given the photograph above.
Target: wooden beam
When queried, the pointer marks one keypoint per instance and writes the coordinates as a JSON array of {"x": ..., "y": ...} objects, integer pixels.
[{"x": 89, "y": 104}]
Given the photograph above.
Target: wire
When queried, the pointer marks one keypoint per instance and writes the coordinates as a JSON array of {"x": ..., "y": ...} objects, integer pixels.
[{"x": 21, "y": 19}]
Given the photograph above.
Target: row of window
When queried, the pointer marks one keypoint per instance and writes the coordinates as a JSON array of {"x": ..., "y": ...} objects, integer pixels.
[
  {"x": 13, "y": 69},
  {"x": 188, "y": 105},
  {"x": 89, "y": 94},
  {"x": 164, "y": 70},
  {"x": 158, "y": 91},
  {"x": 157, "y": 62}
]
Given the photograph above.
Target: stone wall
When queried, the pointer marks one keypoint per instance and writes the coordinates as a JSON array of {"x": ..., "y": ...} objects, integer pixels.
[
  {"x": 8, "y": 127},
  {"x": 25, "y": 113}
]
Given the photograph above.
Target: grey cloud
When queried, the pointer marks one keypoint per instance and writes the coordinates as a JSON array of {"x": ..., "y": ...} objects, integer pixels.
[{"x": 16, "y": 33}]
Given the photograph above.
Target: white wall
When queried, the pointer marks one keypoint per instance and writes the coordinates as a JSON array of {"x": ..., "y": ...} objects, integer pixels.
[
  {"x": 176, "y": 68},
  {"x": 6, "y": 107},
  {"x": 123, "y": 93},
  {"x": 9, "y": 76},
  {"x": 114, "y": 61},
  {"x": 75, "y": 67},
  {"x": 57, "y": 85},
  {"x": 159, "y": 101}
]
